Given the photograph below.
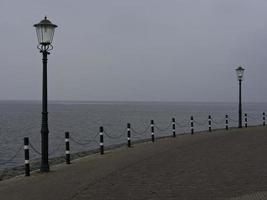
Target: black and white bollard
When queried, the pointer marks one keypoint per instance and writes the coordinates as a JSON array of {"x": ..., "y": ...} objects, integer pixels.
[
  {"x": 263, "y": 118},
  {"x": 246, "y": 120},
  {"x": 209, "y": 122},
  {"x": 226, "y": 122},
  {"x": 101, "y": 130},
  {"x": 129, "y": 134},
  {"x": 26, "y": 156},
  {"x": 67, "y": 145},
  {"x": 173, "y": 128},
  {"x": 152, "y": 130},
  {"x": 192, "y": 125}
]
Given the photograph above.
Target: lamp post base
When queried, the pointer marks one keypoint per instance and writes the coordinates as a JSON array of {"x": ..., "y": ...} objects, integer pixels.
[{"x": 44, "y": 168}]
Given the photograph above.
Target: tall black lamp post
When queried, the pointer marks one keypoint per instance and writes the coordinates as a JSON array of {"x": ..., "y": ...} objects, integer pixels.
[
  {"x": 240, "y": 72},
  {"x": 45, "y": 32}
]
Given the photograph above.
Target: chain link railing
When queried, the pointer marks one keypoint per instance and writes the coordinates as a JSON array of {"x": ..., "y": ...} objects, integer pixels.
[
  {"x": 110, "y": 136},
  {"x": 233, "y": 120},
  {"x": 219, "y": 122},
  {"x": 164, "y": 129},
  {"x": 86, "y": 143},
  {"x": 35, "y": 149},
  {"x": 12, "y": 157},
  {"x": 135, "y": 134},
  {"x": 140, "y": 133},
  {"x": 204, "y": 123}
]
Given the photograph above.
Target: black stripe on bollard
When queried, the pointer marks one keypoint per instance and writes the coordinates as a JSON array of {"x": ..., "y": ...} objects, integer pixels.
[
  {"x": 152, "y": 130},
  {"x": 26, "y": 156},
  {"x": 246, "y": 120},
  {"x": 263, "y": 118},
  {"x": 192, "y": 124},
  {"x": 101, "y": 130},
  {"x": 173, "y": 128},
  {"x": 209, "y": 122},
  {"x": 129, "y": 134},
  {"x": 67, "y": 144},
  {"x": 226, "y": 122}
]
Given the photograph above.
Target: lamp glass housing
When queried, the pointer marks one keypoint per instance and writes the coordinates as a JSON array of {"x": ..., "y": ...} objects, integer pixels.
[
  {"x": 240, "y": 72},
  {"x": 45, "y": 31}
]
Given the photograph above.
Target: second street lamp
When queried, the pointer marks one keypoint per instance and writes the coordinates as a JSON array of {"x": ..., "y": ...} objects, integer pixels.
[
  {"x": 240, "y": 73},
  {"x": 45, "y": 32}
]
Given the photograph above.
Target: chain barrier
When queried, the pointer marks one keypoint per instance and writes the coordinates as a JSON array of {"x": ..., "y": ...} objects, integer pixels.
[
  {"x": 34, "y": 149},
  {"x": 97, "y": 134},
  {"x": 115, "y": 136},
  {"x": 81, "y": 143},
  {"x": 185, "y": 121},
  {"x": 201, "y": 124},
  {"x": 253, "y": 118},
  {"x": 180, "y": 125},
  {"x": 141, "y": 132},
  {"x": 218, "y": 122},
  {"x": 233, "y": 120},
  {"x": 13, "y": 157},
  {"x": 93, "y": 131},
  {"x": 138, "y": 136},
  {"x": 164, "y": 129}
]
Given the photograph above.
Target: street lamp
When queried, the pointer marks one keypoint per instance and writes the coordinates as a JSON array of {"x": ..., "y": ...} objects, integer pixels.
[
  {"x": 45, "y": 32},
  {"x": 240, "y": 72}
]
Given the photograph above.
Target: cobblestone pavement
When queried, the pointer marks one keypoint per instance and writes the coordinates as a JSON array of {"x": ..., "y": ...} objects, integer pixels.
[
  {"x": 217, "y": 165},
  {"x": 255, "y": 196}
]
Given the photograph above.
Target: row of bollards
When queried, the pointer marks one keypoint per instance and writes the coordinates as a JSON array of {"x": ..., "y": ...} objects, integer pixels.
[{"x": 101, "y": 137}]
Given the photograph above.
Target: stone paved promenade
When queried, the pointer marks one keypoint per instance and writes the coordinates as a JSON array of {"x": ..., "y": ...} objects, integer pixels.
[{"x": 218, "y": 165}]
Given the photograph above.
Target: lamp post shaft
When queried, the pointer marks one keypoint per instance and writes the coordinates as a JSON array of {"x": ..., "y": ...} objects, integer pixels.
[
  {"x": 240, "y": 106},
  {"x": 44, "y": 129}
]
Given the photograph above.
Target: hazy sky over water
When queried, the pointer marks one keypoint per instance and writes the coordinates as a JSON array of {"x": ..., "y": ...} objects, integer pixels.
[{"x": 129, "y": 50}]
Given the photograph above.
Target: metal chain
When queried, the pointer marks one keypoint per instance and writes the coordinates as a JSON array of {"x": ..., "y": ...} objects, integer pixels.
[
  {"x": 142, "y": 132},
  {"x": 114, "y": 136},
  {"x": 97, "y": 134},
  {"x": 233, "y": 120},
  {"x": 218, "y": 122},
  {"x": 92, "y": 131},
  {"x": 185, "y": 121},
  {"x": 254, "y": 118},
  {"x": 13, "y": 157},
  {"x": 80, "y": 143},
  {"x": 34, "y": 149},
  {"x": 164, "y": 129},
  {"x": 180, "y": 125},
  {"x": 200, "y": 124}
]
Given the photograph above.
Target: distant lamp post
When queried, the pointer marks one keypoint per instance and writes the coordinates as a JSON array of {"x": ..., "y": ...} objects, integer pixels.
[
  {"x": 45, "y": 32},
  {"x": 240, "y": 72}
]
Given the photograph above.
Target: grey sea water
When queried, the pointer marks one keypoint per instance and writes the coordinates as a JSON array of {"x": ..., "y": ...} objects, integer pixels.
[{"x": 19, "y": 119}]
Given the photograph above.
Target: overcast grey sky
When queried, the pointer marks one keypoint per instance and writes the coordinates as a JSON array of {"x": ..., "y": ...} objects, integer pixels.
[{"x": 136, "y": 50}]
